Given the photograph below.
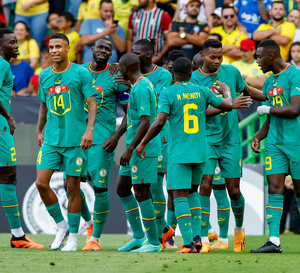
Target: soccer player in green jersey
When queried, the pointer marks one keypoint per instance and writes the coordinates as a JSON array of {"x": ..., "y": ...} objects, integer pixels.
[
  {"x": 223, "y": 138},
  {"x": 282, "y": 130},
  {"x": 63, "y": 90},
  {"x": 105, "y": 140},
  {"x": 8, "y": 160},
  {"x": 134, "y": 171},
  {"x": 185, "y": 104}
]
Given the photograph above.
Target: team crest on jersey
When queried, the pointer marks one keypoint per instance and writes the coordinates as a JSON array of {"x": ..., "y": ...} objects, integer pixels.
[
  {"x": 57, "y": 89},
  {"x": 237, "y": 37},
  {"x": 275, "y": 91},
  {"x": 134, "y": 169},
  {"x": 103, "y": 172},
  {"x": 79, "y": 161},
  {"x": 160, "y": 158},
  {"x": 254, "y": 71},
  {"x": 217, "y": 170},
  {"x": 196, "y": 28}
]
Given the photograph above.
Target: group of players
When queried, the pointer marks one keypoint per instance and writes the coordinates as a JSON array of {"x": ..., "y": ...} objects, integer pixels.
[{"x": 183, "y": 124}]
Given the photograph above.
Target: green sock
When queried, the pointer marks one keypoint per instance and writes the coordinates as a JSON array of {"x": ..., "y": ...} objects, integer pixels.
[
  {"x": 149, "y": 221},
  {"x": 205, "y": 205},
  {"x": 274, "y": 210},
  {"x": 85, "y": 212},
  {"x": 159, "y": 203},
  {"x": 298, "y": 203},
  {"x": 74, "y": 221},
  {"x": 223, "y": 210},
  {"x": 10, "y": 204},
  {"x": 195, "y": 208},
  {"x": 55, "y": 212},
  {"x": 131, "y": 208},
  {"x": 101, "y": 208},
  {"x": 238, "y": 207},
  {"x": 183, "y": 216},
  {"x": 171, "y": 219}
]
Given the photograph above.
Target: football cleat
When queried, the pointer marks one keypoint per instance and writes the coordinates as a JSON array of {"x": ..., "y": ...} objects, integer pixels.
[
  {"x": 205, "y": 248},
  {"x": 268, "y": 247},
  {"x": 213, "y": 236},
  {"x": 89, "y": 233},
  {"x": 220, "y": 245},
  {"x": 133, "y": 244},
  {"x": 184, "y": 249},
  {"x": 71, "y": 245},
  {"x": 171, "y": 243},
  {"x": 92, "y": 246},
  {"x": 197, "y": 243},
  {"x": 239, "y": 241},
  {"x": 167, "y": 236},
  {"x": 61, "y": 235},
  {"x": 24, "y": 242},
  {"x": 148, "y": 248}
]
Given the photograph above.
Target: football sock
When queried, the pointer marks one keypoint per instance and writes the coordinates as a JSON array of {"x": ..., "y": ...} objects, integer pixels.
[
  {"x": 101, "y": 209},
  {"x": 74, "y": 220},
  {"x": 55, "y": 212},
  {"x": 238, "y": 207},
  {"x": 274, "y": 210},
  {"x": 159, "y": 203},
  {"x": 10, "y": 205},
  {"x": 183, "y": 216},
  {"x": 223, "y": 211},
  {"x": 195, "y": 208},
  {"x": 171, "y": 219},
  {"x": 131, "y": 209},
  {"x": 205, "y": 205},
  {"x": 149, "y": 221},
  {"x": 85, "y": 212},
  {"x": 275, "y": 240}
]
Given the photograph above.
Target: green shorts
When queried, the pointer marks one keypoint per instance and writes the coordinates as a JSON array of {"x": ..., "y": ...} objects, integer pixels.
[
  {"x": 72, "y": 160},
  {"x": 184, "y": 175},
  {"x": 99, "y": 166},
  {"x": 283, "y": 159},
  {"x": 141, "y": 170},
  {"x": 8, "y": 156},
  {"x": 228, "y": 156},
  {"x": 163, "y": 158},
  {"x": 218, "y": 178}
]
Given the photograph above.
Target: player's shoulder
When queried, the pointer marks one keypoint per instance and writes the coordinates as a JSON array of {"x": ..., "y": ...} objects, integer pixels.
[
  {"x": 164, "y": 72},
  {"x": 45, "y": 72},
  {"x": 4, "y": 64},
  {"x": 228, "y": 68},
  {"x": 178, "y": 21},
  {"x": 86, "y": 65},
  {"x": 217, "y": 29}
]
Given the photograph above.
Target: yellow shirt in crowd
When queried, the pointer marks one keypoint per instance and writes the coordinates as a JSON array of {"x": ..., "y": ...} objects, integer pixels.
[
  {"x": 287, "y": 29},
  {"x": 28, "y": 49},
  {"x": 73, "y": 39},
  {"x": 89, "y": 10},
  {"x": 34, "y": 10}
]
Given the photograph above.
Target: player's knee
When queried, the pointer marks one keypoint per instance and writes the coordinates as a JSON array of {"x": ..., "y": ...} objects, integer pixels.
[
  {"x": 42, "y": 186},
  {"x": 234, "y": 193},
  {"x": 122, "y": 192},
  {"x": 141, "y": 194},
  {"x": 205, "y": 187},
  {"x": 275, "y": 188}
]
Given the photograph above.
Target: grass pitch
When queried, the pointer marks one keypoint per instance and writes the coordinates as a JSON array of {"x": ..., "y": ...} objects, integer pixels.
[{"x": 110, "y": 260}]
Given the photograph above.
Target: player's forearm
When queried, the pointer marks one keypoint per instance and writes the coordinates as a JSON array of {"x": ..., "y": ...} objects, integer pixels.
[
  {"x": 288, "y": 111},
  {"x": 263, "y": 132},
  {"x": 175, "y": 40},
  {"x": 234, "y": 52},
  {"x": 211, "y": 111},
  {"x": 210, "y": 6},
  {"x": 254, "y": 93},
  {"x": 260, "y": 35},
  {"x": 4, "y": 112},
  {"x": 263, "y": 11},
  {"x": 42, "y": 117},
  {"x": 280, "y": 39},
  {"x": 257, "y": 82},
  {"x": 92, "y": 114},
  {"x": 118, "y": 42},
  {"x": 90, "y": 39},
  {"x": 197, "y": 39},
  {"x": 141, "y": 132},
  {"x": 153, "y": 131},
  {"x": 122, "y": 128},
  {"x": 227, "y": 104}
]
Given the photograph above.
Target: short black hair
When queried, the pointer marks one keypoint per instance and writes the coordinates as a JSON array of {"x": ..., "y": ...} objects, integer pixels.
[
  {"x": 4, "y": 31},
  {"x": 217, "y": 35},
  {"x": 175, "y": 54},
  {"x": 148, "y": 44},
  {"x": 59, "y": 36},
  {"x": 69, "y": 17},
  {"x": 105, "y": 1},
  {"x": 48, "y": 17},
  {"x": 270, "y": 45},
  {"x": 131, "y": 61},
  {"x": 211, "y": 43},
  {"x": 228, "y": 7},
  {"x": 182, "y": 65}
]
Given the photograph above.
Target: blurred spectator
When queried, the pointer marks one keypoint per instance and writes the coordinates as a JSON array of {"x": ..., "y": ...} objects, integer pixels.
[
  {"x": 6, "y": 9},
  {"x": 148, "y": 22},
  {"x": 34, "y": 14},
  {"x": 52, "y": 25},
  {"x": 74, "y": 7},
  {"x": 94, "y": 29},
  {"x": 3, "y": 21},
  {"x": 57, "y": 6},
  {"x": 252, "y": 13},
  {"x": 294, "y": 54},
  {"x": 65, "y": 23},
  {"x": 294, "y": 17},
  {"x": 216, "y": 17},
  {"x": 215, "y": 36},
  {"x": 22, "y": 73},
  {"x": 172, "y": 57},
  {"x": 122, "y": 11},
  {"x": 167, "y": 5},
  {"x": 290, "y": 4},
  {"x": 279, "y": 30},
  {"x": 248, "y": 67},
  {"x": 231, "y": 35},
  {"x": 189, "y": 35},
  {"x": 28, "y": 47},
  {"x": 88, "y": 9},
  {"x": 197, "y": 61}
]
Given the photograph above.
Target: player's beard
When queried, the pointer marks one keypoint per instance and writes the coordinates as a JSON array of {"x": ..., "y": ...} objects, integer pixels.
[{"x": 278, "y": 19}]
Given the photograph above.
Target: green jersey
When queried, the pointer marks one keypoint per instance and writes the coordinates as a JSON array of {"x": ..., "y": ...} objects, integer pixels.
[
  {"x": 222, "y": 128},
  {"x": 6, "y": 85},
  {"x": 279, "y": 89},
  {"x": 65, "y": 93},
  {"x": 142, "y": 102},
  {"x": 186, "y": 103},
  {"x": 108, "y": 94},
  {"x": 161, "y": 79}
]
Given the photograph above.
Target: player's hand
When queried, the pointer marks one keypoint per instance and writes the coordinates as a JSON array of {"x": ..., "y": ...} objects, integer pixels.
[
  {"x": 125, "y": 158},
  {"x": 12, "y": 124},
  {"x": 242, "y": 102},
  {"x": 155, "y": 59},
  {"x": 39, "y": 138},
  {"x": 139, "y": 149},
  {"x": 255, "y": 145},
  {"x": 113, "y": 70},
  {"x": 26, "y": 6},
  {"x": 222, "y": 87},
  {"x": 263, "y": 109},
  {"x": 110, "y": 144},
  {"x": 276, "y": 31},
  {"x": 86, "y": 140},
  {"x": 118, "y": 79}
]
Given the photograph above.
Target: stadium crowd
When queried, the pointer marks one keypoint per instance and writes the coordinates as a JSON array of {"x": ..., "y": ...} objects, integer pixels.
[{"x": 140, "y": 54}]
